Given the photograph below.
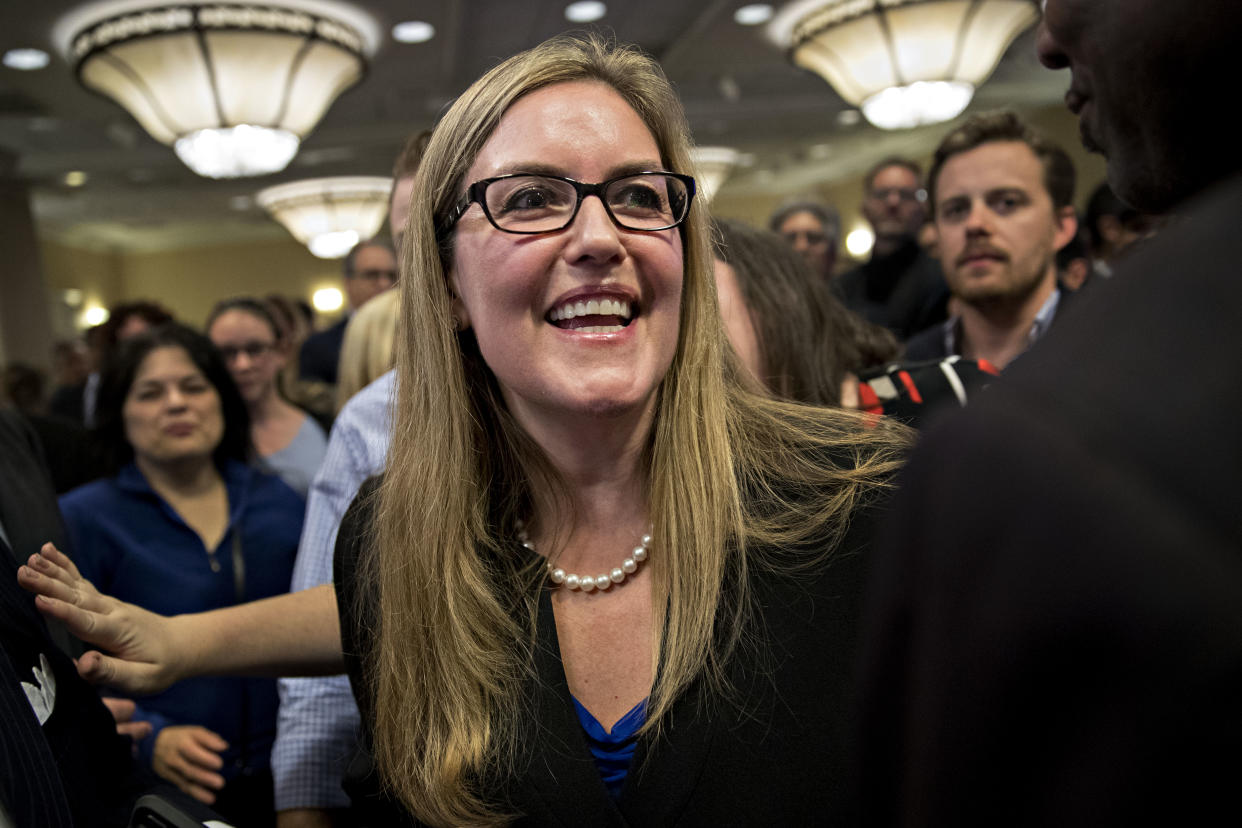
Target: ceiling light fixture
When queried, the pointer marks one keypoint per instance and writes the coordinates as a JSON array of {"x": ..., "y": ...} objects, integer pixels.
[
  {"x": 753, "y": 15},
  {"x": 413, "y": 31},
  {"x": 585, "y": 11},
  {"x": 329, "y": 215},
  {"x": 75, "y": 178},
  {"x": 233, "y": 87},
  {"x": 714, "y": 165},
  {"x": 27, "y": 60},
  {"x": 903, "y": 62}
]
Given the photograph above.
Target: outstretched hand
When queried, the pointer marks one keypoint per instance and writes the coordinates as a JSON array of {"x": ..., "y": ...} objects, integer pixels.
[{"x": 143, "y": 654}]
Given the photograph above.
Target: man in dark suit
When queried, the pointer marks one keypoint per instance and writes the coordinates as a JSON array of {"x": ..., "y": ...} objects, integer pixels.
[
  {"x": 370, "y": 269},
  {"x": 1055, "y": 632},
  {"x": 900, "y": 286},
  {"x": 61, "y": 760}
]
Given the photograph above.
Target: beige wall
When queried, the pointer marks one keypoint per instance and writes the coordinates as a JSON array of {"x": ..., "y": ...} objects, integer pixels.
[{"x": 189, "y": 281}]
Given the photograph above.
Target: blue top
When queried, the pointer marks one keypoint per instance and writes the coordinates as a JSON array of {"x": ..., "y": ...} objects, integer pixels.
[
  {"x": 318, "y": 724},
  {"x": 132, "y": 545},
  {"x": 297, "y": 462},
  {"x": 613, "y": 751}
]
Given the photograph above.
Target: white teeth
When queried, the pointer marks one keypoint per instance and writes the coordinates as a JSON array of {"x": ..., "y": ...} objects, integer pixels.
[
  {"x": 592, "y": 307},
  {"x": 602, "y": 328}
]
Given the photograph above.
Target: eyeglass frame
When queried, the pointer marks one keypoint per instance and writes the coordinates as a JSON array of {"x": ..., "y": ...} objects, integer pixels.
[
  {"x": 475, "y": 195},
  {"x": 913, "y": 195}
]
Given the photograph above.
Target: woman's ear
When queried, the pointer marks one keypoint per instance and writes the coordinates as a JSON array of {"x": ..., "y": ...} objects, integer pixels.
[{"x": 461, "y": 319}]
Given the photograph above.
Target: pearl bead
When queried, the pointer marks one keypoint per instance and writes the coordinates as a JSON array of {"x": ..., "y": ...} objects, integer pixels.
[{"x": 587, "y": 583}]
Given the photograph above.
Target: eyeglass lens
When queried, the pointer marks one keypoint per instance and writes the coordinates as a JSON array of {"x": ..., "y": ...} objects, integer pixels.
[{"x": 535, "y": 204}]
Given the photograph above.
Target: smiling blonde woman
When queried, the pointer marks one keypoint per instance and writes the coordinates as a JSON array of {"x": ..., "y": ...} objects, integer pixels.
[{"x": 601, "y": 581}]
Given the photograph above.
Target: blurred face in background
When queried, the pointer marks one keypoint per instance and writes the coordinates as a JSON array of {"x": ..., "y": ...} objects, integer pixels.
[
  {"x": 172, "y": 413},
  {"x": 894, "y": 204},
  {"x": 251, "y": 350},
  {"x": 374, "y": 271},
  {"x": 809, "y": 237},
  {"x": 399, "y": 209}
]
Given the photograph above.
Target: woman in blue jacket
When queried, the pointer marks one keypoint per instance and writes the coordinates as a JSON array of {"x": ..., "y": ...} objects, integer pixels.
[{"x": 186, "y": 525}]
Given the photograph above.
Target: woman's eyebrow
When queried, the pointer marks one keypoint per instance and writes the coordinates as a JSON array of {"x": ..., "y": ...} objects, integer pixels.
[{"x": 543, "y": 168}]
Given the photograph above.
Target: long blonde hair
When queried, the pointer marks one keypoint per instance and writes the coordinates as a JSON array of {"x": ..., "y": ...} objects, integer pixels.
[{"x": 453, "y": 649}]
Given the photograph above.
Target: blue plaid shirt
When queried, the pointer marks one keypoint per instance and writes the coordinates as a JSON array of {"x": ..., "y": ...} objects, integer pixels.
[{"x": 317, "y": 729}]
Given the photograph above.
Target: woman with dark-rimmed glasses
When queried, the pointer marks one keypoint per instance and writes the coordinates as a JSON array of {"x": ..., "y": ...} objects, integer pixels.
[{"x": 601, "y": 582}]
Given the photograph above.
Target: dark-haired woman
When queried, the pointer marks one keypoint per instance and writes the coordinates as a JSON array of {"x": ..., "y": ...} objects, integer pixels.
[
  {"x": 786, "y": 326},
  {"x": 186, "y": 525},
  {"x": 289, "y": 442}
]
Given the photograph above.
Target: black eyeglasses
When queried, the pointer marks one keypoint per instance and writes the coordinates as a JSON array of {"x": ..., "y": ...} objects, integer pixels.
[
  {"x": 527, "y": 203},
  {"x": 902, "y": 193}
]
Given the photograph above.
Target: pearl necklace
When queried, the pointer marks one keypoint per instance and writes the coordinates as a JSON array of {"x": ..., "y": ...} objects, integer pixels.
[{"x": 585, "y": 582}]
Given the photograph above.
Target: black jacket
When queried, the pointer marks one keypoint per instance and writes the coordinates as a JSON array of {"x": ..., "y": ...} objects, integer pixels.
[
  {"x": 1055, "y": 637},
  {"x": 779, "y": 754}
]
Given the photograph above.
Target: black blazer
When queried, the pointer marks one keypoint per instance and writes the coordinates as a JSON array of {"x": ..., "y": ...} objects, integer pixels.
[
  {"x": 66, "y": 765},
  {"x": 777, "y": 755},
  {"x": 1055, "y": 637}
]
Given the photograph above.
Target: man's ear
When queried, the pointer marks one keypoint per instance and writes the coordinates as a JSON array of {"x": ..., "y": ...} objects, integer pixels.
[{"x": 1067, "y": 226}]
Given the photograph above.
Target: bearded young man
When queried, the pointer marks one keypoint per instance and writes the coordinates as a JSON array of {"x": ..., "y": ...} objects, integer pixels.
[{"x": 1001, "y": 197}]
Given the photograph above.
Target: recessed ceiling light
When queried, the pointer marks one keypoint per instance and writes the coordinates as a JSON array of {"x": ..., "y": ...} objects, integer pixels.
[
  {"x": 241, "y": 202},
  {"x": 585, "y": 11},
  {"x": 328, "y": 299},
  {"x": 753, "y": 15},
  {"x": 849, "y": 117},
  {"x": 859, "y": 241},
  {"x": 95, "y": 315},
  {"x": 819, "y": 152},
  {"x": 413, "y": 31},
  {"x": 26, "y": 59},
  {"x": 75, "y": 178}
]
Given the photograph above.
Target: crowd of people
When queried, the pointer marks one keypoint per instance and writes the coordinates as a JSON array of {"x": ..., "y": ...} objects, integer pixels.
[{"x": 599, "y": 509}]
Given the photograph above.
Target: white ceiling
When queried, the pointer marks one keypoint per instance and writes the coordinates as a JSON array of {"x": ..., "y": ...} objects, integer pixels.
[{"x": 738, "y": 89}]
